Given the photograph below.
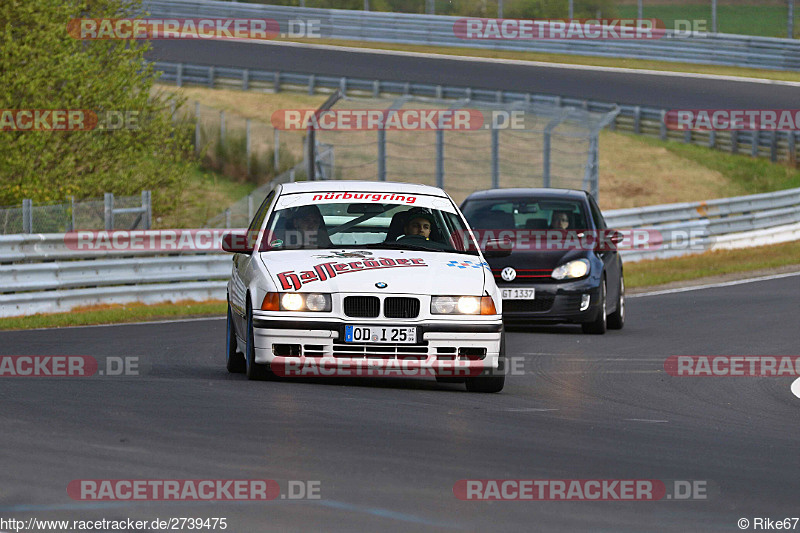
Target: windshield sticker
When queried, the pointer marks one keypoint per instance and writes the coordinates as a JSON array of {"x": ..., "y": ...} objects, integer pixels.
[
  {"x": 371, "y": 197},
  {"x": 294, "y": 280}
]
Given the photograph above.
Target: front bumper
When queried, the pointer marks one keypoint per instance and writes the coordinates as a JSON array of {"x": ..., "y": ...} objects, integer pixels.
[
  {"x": 553, "y": 302},
  {"x": 469, "y": 345}
]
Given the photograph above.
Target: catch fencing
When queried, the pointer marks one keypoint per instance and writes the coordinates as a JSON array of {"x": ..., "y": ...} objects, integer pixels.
[{"x": 112, "y": 212}]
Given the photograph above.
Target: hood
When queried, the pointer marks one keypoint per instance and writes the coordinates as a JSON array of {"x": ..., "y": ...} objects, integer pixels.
[{"x": 357, "y": 271}]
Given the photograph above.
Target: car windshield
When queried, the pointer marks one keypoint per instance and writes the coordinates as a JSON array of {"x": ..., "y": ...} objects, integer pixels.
[
  {"x": 531, "y": 214},
  {"x": 366, "y": 225}
]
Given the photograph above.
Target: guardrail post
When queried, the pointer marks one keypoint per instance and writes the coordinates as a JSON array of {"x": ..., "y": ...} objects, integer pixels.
[
  {"x": 222, "y": 128},
  {"x": 499, "y": 97},
  {"x": 557, "y": 101},
  {"x": 147, "y": 205},
  {"x": 179, "y": 75},
  {"x": 495, "y": 158},
  {"x": 637, "y": 120},
  {"x": 439, "y": 92},
  {"x": 662, "y": 128},
  {"x": 687, "y": 136},
  {"x": 108, "y": 211},
  {"x": 249, "y": 207},
  {"x": 734, "y": 141},
  {"x": 440, "y": 158},
  {"x": 381, "y": 154},
  {"x": 197, "y": 126},
  {"x": 343, "y": 85},
  {"x": 407, "y": 89},
  {"x": 376, "y": 89},
  {"x": 245, "y": 79},
  {"x": 211, "y": 73},
  {"x": 311, "y": 82},
  {"x": 773, "y": 146},
  {"x": 72, "y": 213},
  {"x": 546, "y": 159},
  {"x": 469, "y": 93},
  {"x": 277, "y": 85},
  {"x": 712, "y": 138},
  {"x": 247, "y": 144},
  {"x": 27, "y": 215},
  {"x": 755, "y": 142},
  {"x": 276, "y": 149},
  {"x": 792, "y": 155}
]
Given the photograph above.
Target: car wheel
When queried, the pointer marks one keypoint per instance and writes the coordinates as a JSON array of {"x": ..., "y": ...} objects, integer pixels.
[
  {"x": 599, "y": 324},
  {"x": 616, "y": 320},
  {"x": 234, "y": 360},
  {"x": 491, "y": 380},
  {"x": 254, "y": 371}
]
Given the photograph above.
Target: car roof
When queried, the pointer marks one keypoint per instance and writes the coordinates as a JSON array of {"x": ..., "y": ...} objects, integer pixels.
[
  {"x": 360, "y": 186},
  {"x": 521, "y": 193}
]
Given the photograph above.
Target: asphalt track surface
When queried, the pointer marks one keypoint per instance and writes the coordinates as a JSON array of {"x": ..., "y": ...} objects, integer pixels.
[
  {"x": 387, "y": 452},
  {"x": 671, "y": 92}
]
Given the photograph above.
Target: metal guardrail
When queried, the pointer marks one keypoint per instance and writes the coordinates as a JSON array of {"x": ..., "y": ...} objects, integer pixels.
[
  {"x": 776, "y": 145},
  {"x": 437, "y": 30},
  {"x": 42, "y": 273},
  {"x": 697, "y": 226}
]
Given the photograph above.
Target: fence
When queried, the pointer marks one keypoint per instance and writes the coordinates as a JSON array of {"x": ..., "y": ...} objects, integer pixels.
[
  {"x": 113, "y": 212},
  {"x": 780, "y": 145},
  {"x": 438, "y": 30}
]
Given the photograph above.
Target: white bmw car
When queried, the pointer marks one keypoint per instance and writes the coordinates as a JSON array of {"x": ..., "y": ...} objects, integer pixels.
[{"x": 334, "y": 274}]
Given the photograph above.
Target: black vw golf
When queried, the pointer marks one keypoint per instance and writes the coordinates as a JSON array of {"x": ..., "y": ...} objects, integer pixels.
[{"x": 564, "y": 266}]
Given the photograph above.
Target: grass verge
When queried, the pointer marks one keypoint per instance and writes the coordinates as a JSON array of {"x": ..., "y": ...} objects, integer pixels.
[
  {"x": 116, "y": 314},
  {"x": 661, "y": 271}
]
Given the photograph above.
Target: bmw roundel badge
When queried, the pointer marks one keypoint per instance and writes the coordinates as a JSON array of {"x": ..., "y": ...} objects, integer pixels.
[{"x": 381, "y": 285}]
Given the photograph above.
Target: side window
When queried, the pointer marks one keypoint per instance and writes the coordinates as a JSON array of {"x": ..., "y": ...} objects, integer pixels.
[
  {"x": 258, "y": 219},
  {"x": 596, "y": 214}
]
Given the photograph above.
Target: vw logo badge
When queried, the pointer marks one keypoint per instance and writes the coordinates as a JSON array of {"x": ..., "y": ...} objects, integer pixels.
[
  {"x": 381, "y": 285},
  {"x": 508, "y": 274}
]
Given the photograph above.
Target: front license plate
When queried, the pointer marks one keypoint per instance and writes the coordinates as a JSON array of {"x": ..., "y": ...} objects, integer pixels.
[
  {"x": 518, "y": 294},
  {"x": 380, "y": 334}
]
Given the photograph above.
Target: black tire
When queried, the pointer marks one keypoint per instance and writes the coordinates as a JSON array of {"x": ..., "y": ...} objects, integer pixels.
[
  {"x": 491, "y": 380},
  {"x": 598, "y": 325},
  {"x": 616, "y": 320},
  {"x": 253, "y": 370},
  {"x": 234, "y": 360}
]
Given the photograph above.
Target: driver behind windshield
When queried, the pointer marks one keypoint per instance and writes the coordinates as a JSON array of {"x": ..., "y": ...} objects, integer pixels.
[{"x": 419, "y": 223}]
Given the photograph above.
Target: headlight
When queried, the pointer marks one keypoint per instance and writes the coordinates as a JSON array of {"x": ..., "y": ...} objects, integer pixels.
[
  {"x": 573, "y": 269},
  {"x": 296, "y": 301},
  {"x": 462, "y": 305}
]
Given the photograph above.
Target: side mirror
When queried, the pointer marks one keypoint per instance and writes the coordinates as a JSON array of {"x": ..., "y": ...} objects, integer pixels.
[
  {"x": 237, "y": 242},
  {"x": 616, "y": 236},
  {"x": 497, "y": 248}
]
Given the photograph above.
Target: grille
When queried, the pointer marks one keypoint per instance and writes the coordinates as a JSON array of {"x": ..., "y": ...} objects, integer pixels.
[
  {"x": 374, "y": 351},
  {"x": 362, "y": 306},
  {"x": 539, "y": 305},
  {"x": 401, "y": 307}
]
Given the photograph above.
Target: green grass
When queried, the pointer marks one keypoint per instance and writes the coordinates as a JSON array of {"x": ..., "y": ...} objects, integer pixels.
[
  {"x": 116, "y": 314},
  {"x": 764, "y": 20},
  {"x": 746, "y": 174},
  {"x": 660, "y": 271}
]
